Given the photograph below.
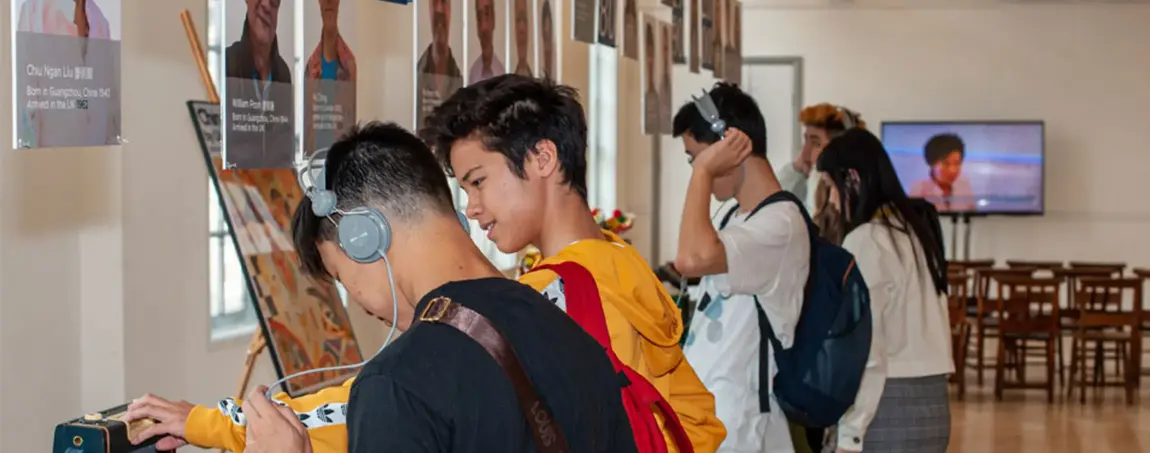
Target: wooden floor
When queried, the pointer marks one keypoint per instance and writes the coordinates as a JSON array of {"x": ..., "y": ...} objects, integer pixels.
[{"x": 1025, "y": 422}]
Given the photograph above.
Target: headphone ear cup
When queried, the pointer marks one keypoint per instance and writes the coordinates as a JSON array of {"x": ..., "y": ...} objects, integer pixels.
[
  {"x": 365, "y": 235},
  {"x": 322, "y": 202},
  {"x": 463, "y": 220}
]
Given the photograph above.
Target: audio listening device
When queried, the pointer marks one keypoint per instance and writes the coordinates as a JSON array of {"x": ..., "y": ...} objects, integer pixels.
[
  {"x": 103, "y": 432},
  {"x": 850, "y": 119},
  {"x": 364, "y": 235},
  {"x": 710, "y": 113}
]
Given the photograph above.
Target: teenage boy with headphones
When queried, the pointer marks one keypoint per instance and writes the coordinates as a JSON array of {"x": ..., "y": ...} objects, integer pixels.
[
  {"x": 747, "y": 256},
  {"x": 821, "y": 123},
  {"x": 380, "y": 220},
  {"x": 518, "y": 148}
]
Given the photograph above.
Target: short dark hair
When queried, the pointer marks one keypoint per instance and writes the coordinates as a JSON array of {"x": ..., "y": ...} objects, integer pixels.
[
  {"x": 941, "y": 145},
  {"x": 738, "y": 109},
  {"x": 511, "y": 114},
  {"x": 378, "y": 165}
]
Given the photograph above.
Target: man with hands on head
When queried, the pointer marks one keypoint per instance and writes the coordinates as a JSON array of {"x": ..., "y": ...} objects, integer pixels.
[{"x": 753, "y": 262}]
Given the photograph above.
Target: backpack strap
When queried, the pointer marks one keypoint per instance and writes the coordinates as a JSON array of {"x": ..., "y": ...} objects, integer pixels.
[
  {"x": 767, "y": 341},
  {"x": 727, "y": 216},
  {"x": 586, "y": 307}
]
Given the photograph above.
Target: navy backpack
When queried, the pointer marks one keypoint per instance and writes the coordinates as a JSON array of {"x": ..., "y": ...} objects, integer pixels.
[{"x": 819, "y": 376}]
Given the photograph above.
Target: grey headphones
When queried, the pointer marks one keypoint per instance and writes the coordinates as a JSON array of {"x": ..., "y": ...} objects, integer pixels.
[
  {"x": 850, "y": 119},
  {"x": 364, "y": 233},
  {"x": 710, "y": 113}
]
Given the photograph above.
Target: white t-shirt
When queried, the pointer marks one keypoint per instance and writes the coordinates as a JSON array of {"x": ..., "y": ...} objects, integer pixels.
[{"x": 768, "y": 255}]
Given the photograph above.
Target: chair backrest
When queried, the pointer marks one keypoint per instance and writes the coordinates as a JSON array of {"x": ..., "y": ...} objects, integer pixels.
[
  {"x": 957, "y": 283},
  {"x": 1027, "y": 303},
  {"x": 1040, "y": 265},
  {"x": 1100, "y": 302},
  {"x": 970, "y": 264},
  {"x": 983, "y": 277},
  {"x": 1114, "y": 268}
]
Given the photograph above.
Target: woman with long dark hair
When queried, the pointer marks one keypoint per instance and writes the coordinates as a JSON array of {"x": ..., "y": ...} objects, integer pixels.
[{"x": 903, "y": 404}]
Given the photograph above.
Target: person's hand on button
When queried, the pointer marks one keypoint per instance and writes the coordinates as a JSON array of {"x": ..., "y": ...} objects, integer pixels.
[{"x": 169, "y": 418}]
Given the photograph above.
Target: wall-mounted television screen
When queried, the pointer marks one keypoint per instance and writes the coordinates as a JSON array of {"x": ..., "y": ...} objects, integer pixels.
[{"x": 990, "y": 167}]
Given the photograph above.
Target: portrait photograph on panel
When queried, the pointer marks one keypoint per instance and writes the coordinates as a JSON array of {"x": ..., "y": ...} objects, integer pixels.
[
  {"x": 693, "y": 36},
  {"x": 439, "y": 48},
  {"x": 522, "y": 37},
  {"x": 677, "y": 22},
  {"x": 734, "y": 55},
  {"x": 719, "y": 43},
  {"x": 608, "y": 19},
  {"x": 583, "y": 14},
  {"x": 630, "y": 29},
  {"x": 329, "y": 72},
  {"x": 650, "y": 73},
  {"x": 707, "y": 34},
  {"x": 67, "y": 83},
  {"x": 486, "y": 39},
  {"x": 259, "y": 98},
  {"x": 548, "y": 40},
  {"x": 665, "y": 61}
]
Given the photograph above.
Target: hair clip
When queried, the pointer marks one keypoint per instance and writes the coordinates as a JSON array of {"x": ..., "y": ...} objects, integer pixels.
[{"x": 710, "y": 113}]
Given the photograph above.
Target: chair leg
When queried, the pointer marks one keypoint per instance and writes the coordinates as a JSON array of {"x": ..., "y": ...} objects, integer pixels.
[
  {"x": 1050, "y": 346},
  {"x": 1130, "y": 373},
  {"x": 1061, "y": 365},
  {"x": 980, "y": 345},
  {"x": 1071, "y": 376},
  {"x": 1082, "y": 390},
  {"x": 1000, "y": 369}
]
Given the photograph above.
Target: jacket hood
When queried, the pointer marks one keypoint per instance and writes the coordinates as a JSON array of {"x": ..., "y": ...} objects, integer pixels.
[{"x": 626, "y": 280}]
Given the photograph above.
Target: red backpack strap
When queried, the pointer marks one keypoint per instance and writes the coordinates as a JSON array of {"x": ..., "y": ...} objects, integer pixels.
[
  {"x": 586, "y": 307},
  {"x": 583, "y": 302},
  {"x": 649, "y": 394}
]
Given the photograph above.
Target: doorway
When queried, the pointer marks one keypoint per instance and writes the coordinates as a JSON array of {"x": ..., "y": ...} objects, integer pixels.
[{"x": 776, "y": 83}]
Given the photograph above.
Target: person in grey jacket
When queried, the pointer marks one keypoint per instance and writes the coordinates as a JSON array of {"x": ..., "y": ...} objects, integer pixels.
[{"x": 821, "y": 123}]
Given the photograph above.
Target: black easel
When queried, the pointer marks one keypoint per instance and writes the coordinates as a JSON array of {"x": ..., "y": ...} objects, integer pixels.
[{"x": 966, "y": 216}]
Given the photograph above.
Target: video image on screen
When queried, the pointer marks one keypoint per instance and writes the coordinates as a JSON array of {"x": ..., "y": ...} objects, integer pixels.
[{"x": 969, "y": 167}]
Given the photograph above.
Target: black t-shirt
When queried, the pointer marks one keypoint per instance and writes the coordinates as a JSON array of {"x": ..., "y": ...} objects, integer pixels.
[{"x": 436, "y": 390}]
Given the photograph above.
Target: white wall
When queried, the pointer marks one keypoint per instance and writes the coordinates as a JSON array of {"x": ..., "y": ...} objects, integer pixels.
[
  {"x": 103, "y": 251},
  {"x": 1081, "y": 68}
]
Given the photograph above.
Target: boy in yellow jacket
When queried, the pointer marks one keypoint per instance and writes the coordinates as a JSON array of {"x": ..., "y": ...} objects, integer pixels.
[{"x": 518, "y": 148}]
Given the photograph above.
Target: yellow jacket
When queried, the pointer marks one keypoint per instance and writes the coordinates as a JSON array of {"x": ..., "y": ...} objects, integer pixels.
[
  {"x": 645, "y": 326},
  {"x": 644, "y": 323},
  {"x": 216, "y": 427}
]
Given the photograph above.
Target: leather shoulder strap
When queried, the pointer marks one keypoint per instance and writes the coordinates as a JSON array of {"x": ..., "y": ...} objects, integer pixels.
[{"x": 548, "y": 436}]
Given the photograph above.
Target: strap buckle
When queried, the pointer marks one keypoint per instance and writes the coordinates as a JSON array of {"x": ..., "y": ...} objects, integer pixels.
[{"x": 435, "y": 310}]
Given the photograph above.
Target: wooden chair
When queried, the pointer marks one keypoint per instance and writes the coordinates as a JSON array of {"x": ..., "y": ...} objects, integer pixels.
[
  {"x": 1100, "y": 318},
  {"x": 985, "y": 313},
  {"x": 1027, "y": 313},
  {"x": 1144, "y": 274},
  {"x": 1071, "y": 276},
  {"x": 957, "y": 283}
]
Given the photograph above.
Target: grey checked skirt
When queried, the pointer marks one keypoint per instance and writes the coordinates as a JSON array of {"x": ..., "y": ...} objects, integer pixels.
[{"x": 913, "y": 417}]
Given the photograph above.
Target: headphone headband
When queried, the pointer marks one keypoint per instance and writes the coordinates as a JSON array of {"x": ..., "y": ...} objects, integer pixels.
[
  {"x": 849, "y": 119},
  {"x": 710, "y": 112}
]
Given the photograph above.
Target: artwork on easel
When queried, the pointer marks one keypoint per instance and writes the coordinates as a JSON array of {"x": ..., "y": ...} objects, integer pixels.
[{"x": 304, "y": 320}]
